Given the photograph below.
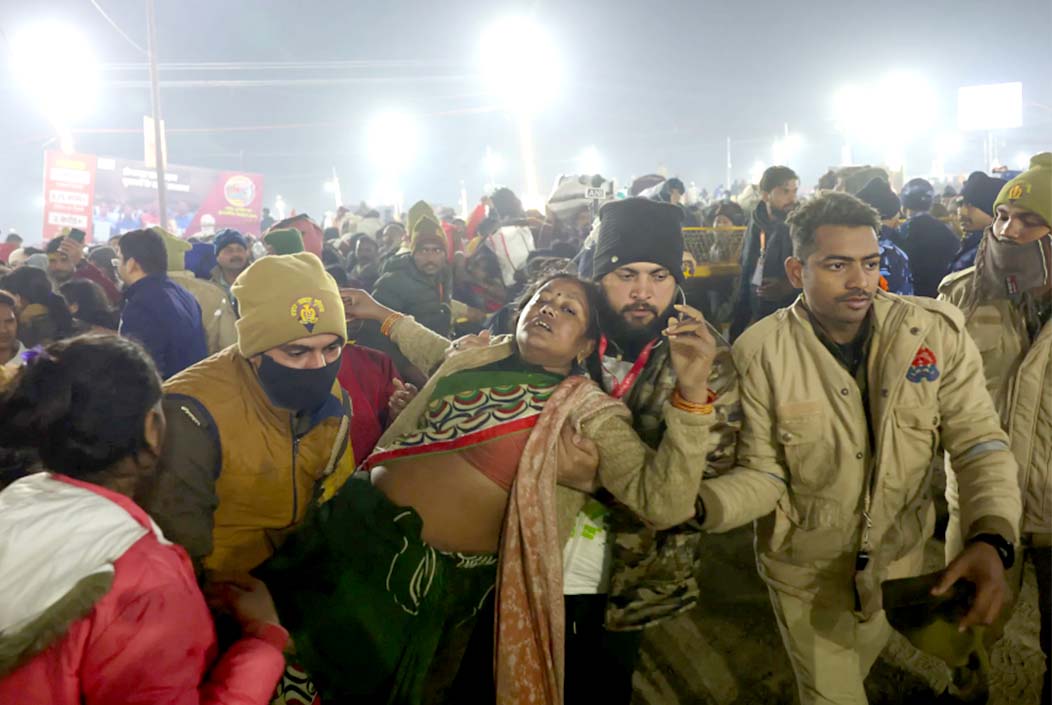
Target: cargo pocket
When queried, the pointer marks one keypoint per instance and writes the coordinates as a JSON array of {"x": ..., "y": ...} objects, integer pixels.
[{"x": 915, "y": 446}]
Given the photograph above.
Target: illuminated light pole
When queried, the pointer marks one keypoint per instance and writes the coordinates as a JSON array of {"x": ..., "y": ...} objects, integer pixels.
[{"x": 519, "y": 64}]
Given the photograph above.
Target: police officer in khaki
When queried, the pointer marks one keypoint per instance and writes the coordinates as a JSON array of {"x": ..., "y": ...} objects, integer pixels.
[
  {"x": 847, "y": 396},
  {"x": 1007, "y": 302}
]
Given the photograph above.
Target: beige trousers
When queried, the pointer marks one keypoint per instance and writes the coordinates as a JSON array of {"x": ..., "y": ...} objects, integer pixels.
[{"x": 831, "y": 650}]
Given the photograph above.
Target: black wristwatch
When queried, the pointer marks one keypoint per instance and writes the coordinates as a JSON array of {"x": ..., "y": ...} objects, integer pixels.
[{"x": 1005, "y": 549}]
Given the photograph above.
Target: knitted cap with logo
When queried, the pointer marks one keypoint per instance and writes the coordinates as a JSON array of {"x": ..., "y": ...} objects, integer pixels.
[
  {"x": 284, "y": 298},
  {"x": 1031, "y": 190}
]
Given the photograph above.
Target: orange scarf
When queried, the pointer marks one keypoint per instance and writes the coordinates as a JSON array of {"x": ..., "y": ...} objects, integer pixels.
[{"x": 530, "y": 618}]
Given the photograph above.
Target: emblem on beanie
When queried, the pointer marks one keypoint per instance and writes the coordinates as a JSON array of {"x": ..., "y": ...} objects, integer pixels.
[
  {"x": 307, "y": 311},
  {"x": 1016, "y": 192},
  {"x": 923, "y": 367}
]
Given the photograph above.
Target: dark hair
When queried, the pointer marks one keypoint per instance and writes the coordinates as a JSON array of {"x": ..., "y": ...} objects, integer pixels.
[
  {"x": 147, "y": 248},
  {"x": 827, "y": 182},
  {"x": 92, "y": 305},
  {"x": 330, "y": 234},
  {"x": 54, "y": 244},
  {"x": 102, "y": 257},
  {"x": 6, "y": 299},
  {"x": 593, "y": 296},
  {"x": 830, "y": 208},
  {"x": 13, "y": 237},
  {"x": 329, "y": 256},
  {"x": 32, "y": 285},
  {"x": 776, "y": 176},
  {"x": 81, "y": 404},
  {"x": 340, "y": 275}
]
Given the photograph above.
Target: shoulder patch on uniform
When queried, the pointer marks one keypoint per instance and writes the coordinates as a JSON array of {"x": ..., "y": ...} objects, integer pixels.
[{"x": 923, "y": 367}]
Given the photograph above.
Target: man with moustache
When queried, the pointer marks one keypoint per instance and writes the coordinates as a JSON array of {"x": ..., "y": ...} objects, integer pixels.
[
  {"x": 847, "y": 396},
  {"x": 620, "y": 576},
  {"x": 975, "y": 212}
]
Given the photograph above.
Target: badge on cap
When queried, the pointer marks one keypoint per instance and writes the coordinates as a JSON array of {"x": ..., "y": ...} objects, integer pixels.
[
  {"x": 306, "y": 311},
  {"x": 1015, "y": 193}
]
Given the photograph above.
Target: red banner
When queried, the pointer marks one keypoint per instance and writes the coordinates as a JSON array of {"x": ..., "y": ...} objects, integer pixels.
[{"x": 69, "y": 192}]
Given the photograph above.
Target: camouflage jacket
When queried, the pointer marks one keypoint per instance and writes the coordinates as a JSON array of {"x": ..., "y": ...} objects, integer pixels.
[{"x": 652, "y": 575}]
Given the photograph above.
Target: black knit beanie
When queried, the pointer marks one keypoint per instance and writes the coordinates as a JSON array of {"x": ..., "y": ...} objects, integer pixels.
[{"x": 639, "y": 230}]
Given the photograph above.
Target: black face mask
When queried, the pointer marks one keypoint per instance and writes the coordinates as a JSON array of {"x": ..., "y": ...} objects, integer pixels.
[{"x": 297, "y": 390}]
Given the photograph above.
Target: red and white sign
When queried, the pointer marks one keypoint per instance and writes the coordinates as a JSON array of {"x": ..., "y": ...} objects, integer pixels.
[{"x": 69, "y": 191}]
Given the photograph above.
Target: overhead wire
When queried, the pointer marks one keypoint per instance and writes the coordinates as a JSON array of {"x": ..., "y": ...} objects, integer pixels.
[{"x": 117, "y": 28}]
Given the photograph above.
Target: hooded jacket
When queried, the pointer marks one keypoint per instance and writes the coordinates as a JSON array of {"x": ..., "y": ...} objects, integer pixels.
[
  {"x": 100, "y": 609},
  {"x": 808, "y": 458},
  {"x": 1018, "y": 373}
]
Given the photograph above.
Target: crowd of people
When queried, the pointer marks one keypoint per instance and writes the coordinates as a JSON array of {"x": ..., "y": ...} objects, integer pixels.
[{"x": 470, "y": 459}]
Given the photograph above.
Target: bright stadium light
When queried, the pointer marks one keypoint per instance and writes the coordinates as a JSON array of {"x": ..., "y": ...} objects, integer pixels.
[
  {"x": 589, "y": 161},
  {"x": 786, "y": 149},
  {"x": 392, "y": 140},
  {"x": 56, "y": 67},
  {"x": 329, "y": 187}
]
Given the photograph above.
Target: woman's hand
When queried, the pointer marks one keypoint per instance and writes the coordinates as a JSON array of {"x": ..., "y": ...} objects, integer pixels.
[
  {"x": 358, "y": 305},
  {"x": 692, "y": 348},
  {"x": 400, "y": 398}
]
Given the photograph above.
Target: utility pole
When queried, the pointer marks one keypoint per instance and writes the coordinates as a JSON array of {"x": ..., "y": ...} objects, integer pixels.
[
  {"x": 158, "y": 132},
  {"x": 727, "y": 181}
]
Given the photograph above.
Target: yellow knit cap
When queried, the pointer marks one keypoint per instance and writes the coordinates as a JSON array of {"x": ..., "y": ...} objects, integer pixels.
[
  {"x": 175, "y": 247},
  {"x": 283, "y": 298}
]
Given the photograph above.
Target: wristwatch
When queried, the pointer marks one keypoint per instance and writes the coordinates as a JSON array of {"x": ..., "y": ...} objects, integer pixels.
[{"x": 1005, "y": 549}]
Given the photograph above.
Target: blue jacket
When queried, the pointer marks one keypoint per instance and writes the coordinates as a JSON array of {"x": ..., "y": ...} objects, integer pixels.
[
  {"x": 894, "y": 264},
  {"x": 969, "y": 249},
  {"x": 166, "y": 319}
]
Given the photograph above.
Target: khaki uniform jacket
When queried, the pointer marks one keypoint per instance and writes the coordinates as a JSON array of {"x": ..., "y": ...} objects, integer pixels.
[
  {"x": 1019, "y": 378},
  {"x": 217, "y": 314},
  {"x": 805, "y": 463},
  {"x": 657, "y": 485}
]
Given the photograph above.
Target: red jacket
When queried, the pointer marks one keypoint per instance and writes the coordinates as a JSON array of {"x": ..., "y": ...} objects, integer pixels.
[
  {"x": 367, "y": 376},
  {"x": 149, "y": 639},
  {"x": 87, "y": 270}
]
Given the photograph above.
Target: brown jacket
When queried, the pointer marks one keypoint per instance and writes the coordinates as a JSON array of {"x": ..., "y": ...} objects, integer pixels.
[{"x": 806, "y": 465}]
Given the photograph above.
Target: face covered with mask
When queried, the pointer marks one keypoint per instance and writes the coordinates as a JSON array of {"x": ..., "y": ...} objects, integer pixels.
[{"x": 298, "y": 376}]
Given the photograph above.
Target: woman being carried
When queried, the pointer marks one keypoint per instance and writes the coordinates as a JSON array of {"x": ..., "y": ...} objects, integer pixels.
[{"x": 395, "y": 564}]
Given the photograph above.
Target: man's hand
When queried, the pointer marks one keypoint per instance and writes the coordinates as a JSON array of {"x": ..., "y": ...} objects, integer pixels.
[
  {"x": 358, "y": 305},
  {"x": 578, "y": 461},
  {"x": 692, "y": 348},
  {"x": 775, "y": 290},
  {"x": 400, "y": 398},
  {"x": 466, "y": 342},
  {"x": 73, "y": 250},
  {"x": 980, "y": 565}
]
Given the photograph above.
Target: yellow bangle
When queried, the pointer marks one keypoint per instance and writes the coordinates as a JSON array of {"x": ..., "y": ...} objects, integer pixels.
[
  {"x": 682, "y": 404},
  {"x": 388, "y": 324}
]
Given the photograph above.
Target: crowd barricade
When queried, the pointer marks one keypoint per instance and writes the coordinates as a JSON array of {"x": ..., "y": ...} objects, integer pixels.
[{"x": 712, "y": 252}]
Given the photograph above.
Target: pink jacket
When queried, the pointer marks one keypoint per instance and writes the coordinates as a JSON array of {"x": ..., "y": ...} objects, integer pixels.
[{"x": 148, "y": 639}]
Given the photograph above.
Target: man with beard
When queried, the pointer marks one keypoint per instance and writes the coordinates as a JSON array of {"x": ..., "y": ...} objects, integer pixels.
[
  {"x": 65, "y": 261},
  {"x": 252, "y": 429},
  {"x": 621, "y": 576},
  {"x": 846, "y": 398},
  {"x": 975, "y": 211},
  {"x": 1007, "y": 301},
  {"x": 764, "y": 287}
]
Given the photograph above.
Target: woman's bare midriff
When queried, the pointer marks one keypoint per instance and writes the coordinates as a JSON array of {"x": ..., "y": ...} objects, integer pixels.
[{"x": 462, "y": 509}]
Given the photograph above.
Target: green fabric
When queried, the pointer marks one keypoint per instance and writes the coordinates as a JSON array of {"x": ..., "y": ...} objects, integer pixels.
[
  {"x": 473, "y": 380},
  {"x": 1032, "y": 189},
  {"x": 369, "y": 605},
  {"x": 176, "y": 249},
  {"x": 424, "y": 226},
  {"x": 288, "y": 241}
]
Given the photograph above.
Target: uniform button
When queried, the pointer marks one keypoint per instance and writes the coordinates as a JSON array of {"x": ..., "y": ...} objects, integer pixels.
[
  {"x": 844, "y": 391},
  {"x": 858, "y": 456},
  {"x": 884, "y": 393},
  {"x": 935, "y": 421},
  {"x": 914, "y": 331},
  {"x": 786, "y": 437}
]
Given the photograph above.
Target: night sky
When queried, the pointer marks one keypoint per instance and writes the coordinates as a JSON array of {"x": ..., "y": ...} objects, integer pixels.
[{"x": 649, "y": 85}]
